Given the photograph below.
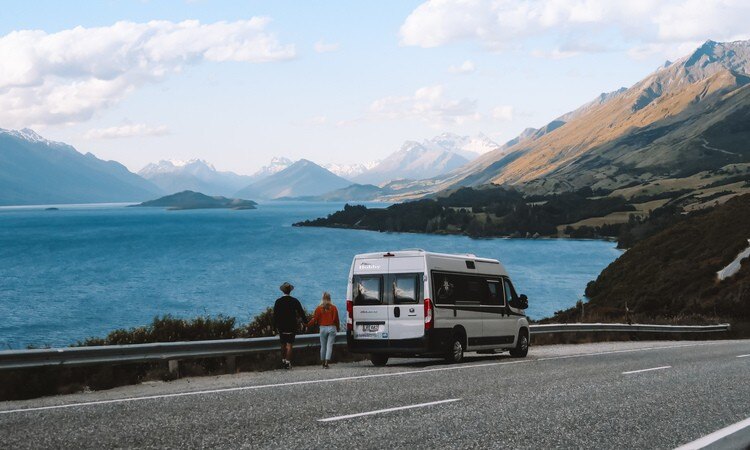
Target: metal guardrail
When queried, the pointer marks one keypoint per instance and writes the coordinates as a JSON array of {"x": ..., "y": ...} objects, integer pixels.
[
  {"x": 634, "y": 328},
  {"x": 174, "y": 351}
]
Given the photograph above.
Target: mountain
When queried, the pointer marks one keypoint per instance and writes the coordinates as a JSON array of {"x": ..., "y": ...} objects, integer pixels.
[
  {"x": 278, "y": 163},
  {"x": 196, "y": 200},
  {"x": 688, "y": 116},
  {"x": 193, "y": 175},
  {"x": 426, "y": 159},
  {"x": 350, "y": 171},
  {"x": 303, "y": 178},
  {"x": 34, "y": 170}
]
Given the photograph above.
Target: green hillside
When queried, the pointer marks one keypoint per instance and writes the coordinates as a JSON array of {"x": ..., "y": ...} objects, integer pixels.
[{"x": 671, "y": 275}]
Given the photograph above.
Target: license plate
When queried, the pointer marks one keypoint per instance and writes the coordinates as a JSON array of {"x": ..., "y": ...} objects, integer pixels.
[{"x": 370, "y": 328}]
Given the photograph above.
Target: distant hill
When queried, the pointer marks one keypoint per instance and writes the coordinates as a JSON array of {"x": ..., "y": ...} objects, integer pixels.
[
  {"x": 426, "y": 159},
  {"x": 354, "y": 192},
  {"x": 196, "y": 200},
  {"x": 34, "y": 170},
  {"x": 303, "y": 178},
  {"x": 673, "y": 274},
  {"x": 195, "y": 175}
]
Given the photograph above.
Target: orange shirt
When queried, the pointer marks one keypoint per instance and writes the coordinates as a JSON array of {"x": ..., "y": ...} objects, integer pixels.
[{"x": 324, "y": 317}]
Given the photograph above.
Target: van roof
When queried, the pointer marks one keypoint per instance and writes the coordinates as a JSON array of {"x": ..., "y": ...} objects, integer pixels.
[{"x": 412, "y": 252}]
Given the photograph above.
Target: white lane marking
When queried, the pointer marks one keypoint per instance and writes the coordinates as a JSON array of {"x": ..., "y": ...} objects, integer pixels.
[
  {"x": 380, "y": 411},
  {"x": 331, "y": 380},
  {"x": 647, "y": 370},
  {"x": 705, "y": 441},
  {"x": 743, "y": 356}
]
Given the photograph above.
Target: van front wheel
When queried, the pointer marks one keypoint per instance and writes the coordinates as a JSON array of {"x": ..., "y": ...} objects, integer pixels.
[
  {"x": 455, "y": 352},
  {"x": 522, "y": 346},
  {"x": 378, "y": 360}
]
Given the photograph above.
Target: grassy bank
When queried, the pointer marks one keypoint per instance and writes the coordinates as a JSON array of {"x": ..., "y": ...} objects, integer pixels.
[{"x": 38, "y": 382}]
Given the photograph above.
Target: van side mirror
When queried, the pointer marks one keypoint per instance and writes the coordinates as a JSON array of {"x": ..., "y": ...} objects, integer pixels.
[{"x": 521, "y": 302}]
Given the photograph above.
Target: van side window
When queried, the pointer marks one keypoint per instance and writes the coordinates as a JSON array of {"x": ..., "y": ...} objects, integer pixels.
[
  {"x": 496, "y": 295},
  {"x": 446, "y": 288},
  {"x": 406, "y": 288},
  {"x": 368, "y": 290},
  {"x": 476, "y": 290}
]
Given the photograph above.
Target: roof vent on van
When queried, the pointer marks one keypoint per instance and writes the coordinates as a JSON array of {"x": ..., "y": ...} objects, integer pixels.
[{"x": 388, "y": 254}]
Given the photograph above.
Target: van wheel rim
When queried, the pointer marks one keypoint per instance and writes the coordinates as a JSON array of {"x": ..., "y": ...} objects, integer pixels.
[{"x": 458, "y": 351}]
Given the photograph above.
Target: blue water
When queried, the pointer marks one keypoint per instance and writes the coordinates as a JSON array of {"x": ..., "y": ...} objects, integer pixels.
[{"x": 83, "y": 271}]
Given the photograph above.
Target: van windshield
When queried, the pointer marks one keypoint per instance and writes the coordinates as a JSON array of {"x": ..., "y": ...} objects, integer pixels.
[{"x": 368, "y": 290}]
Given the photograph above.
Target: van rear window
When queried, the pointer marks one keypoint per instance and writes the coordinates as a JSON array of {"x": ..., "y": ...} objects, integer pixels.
[
  {"x": 406, "y": 288},
  {"x": 368, "y": 290}
]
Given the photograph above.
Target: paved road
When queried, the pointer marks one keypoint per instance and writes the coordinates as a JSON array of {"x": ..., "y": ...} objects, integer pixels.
[{"x": 590, "y": 396}]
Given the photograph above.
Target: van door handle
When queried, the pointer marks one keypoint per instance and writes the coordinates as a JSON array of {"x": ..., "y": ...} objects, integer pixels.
[{"x": 397, "y": 312}]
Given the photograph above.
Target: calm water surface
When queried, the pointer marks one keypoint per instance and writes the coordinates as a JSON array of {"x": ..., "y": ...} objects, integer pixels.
[{"x": 83, "y": 271}]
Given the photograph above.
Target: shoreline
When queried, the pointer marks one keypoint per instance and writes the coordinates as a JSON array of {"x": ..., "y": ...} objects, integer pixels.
[{"x": 448, "y": 233}]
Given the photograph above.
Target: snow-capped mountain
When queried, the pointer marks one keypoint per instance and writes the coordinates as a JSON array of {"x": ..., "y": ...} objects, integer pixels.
[
  {"x": 429, "y": 158},
  {"x": 467, "y": 146},
  {"x": 35, "y": 170},
  {"x": 351, "y": 170},
  {"x": 194, "y": 175},
  {"x": 29, "y": 135},
  {"x": 277, "y": 164}
]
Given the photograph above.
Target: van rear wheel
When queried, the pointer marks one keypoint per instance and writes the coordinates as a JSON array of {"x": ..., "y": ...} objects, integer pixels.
[
  {"x": 455, "y": 353},
  {"x": 378, "y": 360},
  {"x": 522, "y": 346}
]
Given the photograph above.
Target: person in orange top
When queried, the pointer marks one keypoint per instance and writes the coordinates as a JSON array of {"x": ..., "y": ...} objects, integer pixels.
[{"x": 326, "y": 316}]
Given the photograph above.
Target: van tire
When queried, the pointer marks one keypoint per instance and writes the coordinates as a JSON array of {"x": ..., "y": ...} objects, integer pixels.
[
  {"x": 455, "y": 351},
  {"x": 522, "y": 346},
  {"x": 378, "y": 360}
]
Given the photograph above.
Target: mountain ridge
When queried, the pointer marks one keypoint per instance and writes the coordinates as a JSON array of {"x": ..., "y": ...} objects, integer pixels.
[{"x": 35, "y": 170}]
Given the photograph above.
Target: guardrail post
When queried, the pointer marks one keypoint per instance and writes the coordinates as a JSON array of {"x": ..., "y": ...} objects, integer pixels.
[
  {"x": 174, "y": 368},
  {"x": 231, "y": 364}
]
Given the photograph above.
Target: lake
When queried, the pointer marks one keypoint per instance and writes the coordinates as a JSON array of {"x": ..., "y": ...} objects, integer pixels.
[{"x": 84, "y": 270}]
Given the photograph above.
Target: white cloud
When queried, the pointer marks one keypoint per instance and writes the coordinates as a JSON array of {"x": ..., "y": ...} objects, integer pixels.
[
  {"x": 126, "y": 131},
  {"x": 323, "y": 47},
  {"x": 498, "y": 24},
  {"x": 465, "y": 68},
  {"x": 427, "y": 104},
  {"x": 503, "y": 112},
  {"x": 67, "y": 76}
]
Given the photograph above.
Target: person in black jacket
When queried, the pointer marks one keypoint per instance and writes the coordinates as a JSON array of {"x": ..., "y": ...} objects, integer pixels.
[{"x": 286, "y": 311}]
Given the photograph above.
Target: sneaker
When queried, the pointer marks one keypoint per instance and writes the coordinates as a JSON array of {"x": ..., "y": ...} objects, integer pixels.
[{"x": 288, "y": 365}]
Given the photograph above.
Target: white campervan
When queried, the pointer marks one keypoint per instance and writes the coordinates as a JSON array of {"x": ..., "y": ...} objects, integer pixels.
[{"x": 418, "y": 303}]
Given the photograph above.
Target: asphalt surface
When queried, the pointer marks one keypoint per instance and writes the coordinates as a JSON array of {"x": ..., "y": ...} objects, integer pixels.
[{"x": 559, "y": 396}]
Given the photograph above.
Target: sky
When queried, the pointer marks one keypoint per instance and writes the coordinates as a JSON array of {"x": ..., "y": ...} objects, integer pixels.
[{"x": 239, "y": 82}]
